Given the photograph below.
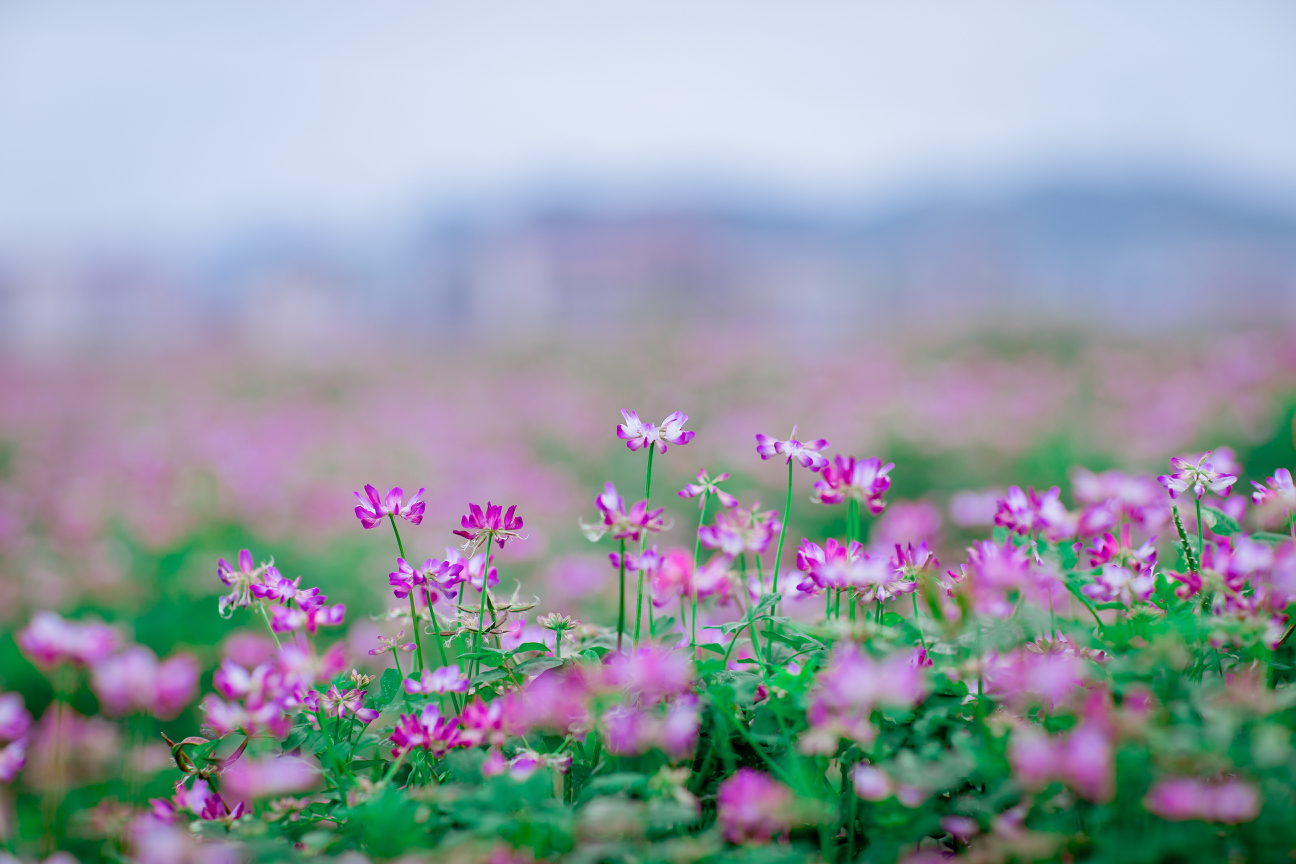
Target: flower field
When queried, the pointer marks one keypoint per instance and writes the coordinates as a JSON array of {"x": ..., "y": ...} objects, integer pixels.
[{"x": 979, "y": 597}]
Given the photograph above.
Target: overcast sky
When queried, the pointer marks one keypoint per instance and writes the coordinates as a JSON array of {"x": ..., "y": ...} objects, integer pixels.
[{"x": 182, "y": 119}]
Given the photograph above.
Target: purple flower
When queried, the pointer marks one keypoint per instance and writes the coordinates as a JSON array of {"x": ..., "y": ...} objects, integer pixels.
[
  {"x": 1281, "y": 492},
  {"x": 1183, "y": 798},
  {"x": 807, "y": 454},
  {"x": 863, "y": 480},
  {"x": 433, "y": 575},
  {"x": 1107, "y": 549},
  {"x": 274, "y": 586},
  {"x": 14, "y": 718},
  {"x": 1116, "y": 584},
  {"x": 269, "y": 777},
  {"x": 638, "y": 434},
  {"x": 1200, "y": 476},
  {"x": 1026, "y": 512},
  {"x": 13, "y": 759},
  {"x": 372, "y": 509},
  {"x": 134, "y": 681},
  {"x": 471, "y": 568},
  {"x": 706, "y": 486},
  {"x": 494, "y": 524},
  {"x": 1082, "y": 759},
  {"x": 872, "y": 783},
  {"x": 392, "y": 644},
  {"x": 427, "y": 729},
  {"x": 651, "y": 673},
  {"x": 831, "y": 566},
  {"x": 447, "y": 679},
  {"x": 337, "y": 703},
  {"x": 285, "y": 620},
  {"x": 753, "y": 807},
  {"x": 993, "y": 575}
]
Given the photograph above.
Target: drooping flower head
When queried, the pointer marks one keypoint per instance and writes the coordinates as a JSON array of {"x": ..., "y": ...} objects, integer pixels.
[
  {"x": 1200, "y": 476},
  {"x": 706, "y": 487},
  {"x": 494, "y": 524},
  {"x": 241, "y": 582},
  {"x": 806, "y": 453},
  {"x": 374, "y": 508},
  {"x": 753, "y": 807},
  {"x": 851, "y": 479},
  {"x": 638, "y": 434}
]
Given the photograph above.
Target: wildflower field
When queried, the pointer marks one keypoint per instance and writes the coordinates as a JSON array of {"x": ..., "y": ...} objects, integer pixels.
[{"x": 984, "y": 597}]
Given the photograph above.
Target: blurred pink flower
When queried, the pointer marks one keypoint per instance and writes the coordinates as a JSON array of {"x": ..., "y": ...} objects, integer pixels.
[
  {"x": 427, "y": 729},
  {"x": 651, "y": 673},
  {"x": 446, "y": 679},
  {"x": 807, "y": 454},
  {"x": 848, "y": 478},
  {"x": 1117, "y": 584},
  {"x": 49, "y": 640},
  {"x": 707, "y": 488},
  {"x": 741, "y": 530},
  {"x": 13, "y": 759},
  {"x": 134, "y": 681},
  {"x": 1082, "y": 759},
  {"x": 638, "y": 434},
  {"x": 372, "y": 508},
  {"x": 753, "y": 807},
  {"x": 906, "y": 522},
  {"x": 871, "y": 783},
  {"x": 15, "y": 720},
  {"x": 1179, "y": 799},
  {"x": 252, "y": 778},
  {"x": 285, "y": 620}
]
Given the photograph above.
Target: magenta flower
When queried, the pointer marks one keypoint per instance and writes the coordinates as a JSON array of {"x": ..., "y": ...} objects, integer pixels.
[
  {"x": 392, "y": 644},
  {"x": 13, "y": 759},
  {"x": 672, "y": 577},
  {"x": 338, "y": 703},
  {"x": 1200, "y": 476},
  {"x": 1023, "y": 678},
  {"x": 848, "y": 478},
  {"x": 1116, "y": 584},
  {"x": 492, "y": 722},
  {"x": 372, "y": 509},
  {"x": 1179, "y": 799},
  {"x": 994, "y": 576},
  {"x": 753, "y": 807},
  {"x": 707, "y": 487},
  {"x": 1027, "y": 512},
  {"x": 134, "y": 681},
  {"x": 1082, "y": 759},
  {"x": 678, "y": 736},
  {"x": 807, "y": 454},
  {"x": 624, "y": 525},
  {"x": 250, "y": 779},
  {"x": 436, "y": 577},
  {"x": 638, "y": 434},
  {"x": 738, "y": 531},
  {"x": 285, "y": 620},
  {"x": 1108, "y": 550},
  {"x": 1280, "y": 492},
  {"x": 50, "y": 640},
  {"x": 472, "y": 568},
  {"x": 494, "y": 524},
  {"x": 831, "y": 566},
  {"x": 274, "y": 586},
  {"x": 652, "y": 674},
  {"x": 241, "y": 582},
  {"x": 853, "y": 684},
  {"x": 447, "y": 679}
]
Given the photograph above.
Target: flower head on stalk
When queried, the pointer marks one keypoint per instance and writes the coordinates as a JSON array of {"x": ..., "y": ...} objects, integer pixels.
[
  {"x": 1108, "y": 549},
  {"x": 473, "y": 568},
  {"x": 437, "y": 577},
  {"x": 339, "y": 703},
  {"x": 373, "y": 508},
  {"x": 285, "y": 620},
  {"x": 624, "y": 525},
  {"x": 851, "y": 479},
  {"x": 392, "y": 644},
  {"x": 1278, "y": 496},
  {"x": 707, "y": 487},
  {"x": 1025, "y": 512},
  {"x": 427, "y": 729},
  {"x": 638, "y": 434},
  {"x": 741, "y": 530},
  {"x": 806, "y": 453},
  {"x": 241, "y": 582},
  {"x": 831, "y": 566},
  {"x": 494, "y": 524},
  {"x": 447, "y": 679},
  {"x": 275, "y": 586},
  {"x": 1200, "y": 476},
  {"x": 753, "y": 807}
]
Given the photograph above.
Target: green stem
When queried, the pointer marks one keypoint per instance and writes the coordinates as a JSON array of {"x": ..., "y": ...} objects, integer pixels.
[
  {"x": 621, "y": 601},
  {"x": 697, "y": 553},
  {"x": 787, "y": 508},
  {"x": 414, "y": 622},
  {"x": 638, "y": 608},
  {"x": 481, "y": 615},
  {"x": 652, "y": 448},
  {"x": 918, "y": 621},
  {"x": 266, "y": 616},
  {"x": 1201, "y": 546}
]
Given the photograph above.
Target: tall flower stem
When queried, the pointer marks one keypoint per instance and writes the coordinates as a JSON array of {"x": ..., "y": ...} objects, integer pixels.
[
  {"x": 787, "y": 507},
  {"x": 621, "y": 601},
  {"x": 1201, "y": 546},
  {"x": 414, "y": 622},
  {"x": 697, "y": 553},
  {"x": 643, "y": 543},
  {"x": 436, "y": 630},
  {"x": 918, "y": 621},
  {"x": 269, "y": 626},
  {"x": 481, "y": 615},
  {"x": 638, "y": 608}
]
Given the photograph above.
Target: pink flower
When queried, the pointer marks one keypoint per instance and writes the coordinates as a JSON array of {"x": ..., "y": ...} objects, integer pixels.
[
  {"x": 624, "y": 525},
  {"x": 471, "y": 568},
  {"x": 15, "y": 720},
  {"x": 13, "y": 759},
  {"x": 993, "y": 575},
  {"x": 871, "y": 783},
  {"x": 339, "y": 703},
  {"x": 1200, "y": 476},
  {"x": 447, "y": 679},
  {"x": 846, "y": 692},
  {"x": 372, "y": 509},
  {"x": 437, "y": 577},
  {"x": 738, "y": 531},
  {"x": 427, "y": 729},
  {"x": 49, "y": 640},
  {"x": 240, "y": 582},
  {"x": 1082, "y": 759},
  {"x": 707, "y": 487},
  {"x": 1024, "y": 678},
  {"x": 134, "y": 681},
  {"x": 251, "y": 778},
  {"x": 831, "y": 566},
  {"x": 807, "y": 454},
  {"x": 652, "y": 674},
  {"x": 679, "y": 731},
  {"x": 848, "y": 478},
  {"x": 275, "y": 586},
  {"x": 494, "y": 524},
  {"x": 1179, "y": 799},
  {"x": 492, "y": 722},
  {"x": 1027, "y": 512},
  {"x": 753, "y": 807},
  {"x": 638, "y": 434},
  {"x": 1116, "y": 584},
  {"x": 392, "y": 644},
  {"x": 1107, "y": 549},
  {"x": 285, "y": 620},
  {"x": 672, "y": 577}
]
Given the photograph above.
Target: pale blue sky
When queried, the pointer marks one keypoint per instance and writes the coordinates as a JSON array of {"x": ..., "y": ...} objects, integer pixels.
[{"x": 182, "y": 120}]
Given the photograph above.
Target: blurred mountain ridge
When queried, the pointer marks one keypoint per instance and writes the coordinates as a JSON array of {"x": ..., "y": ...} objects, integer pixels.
[{"x": 1129, "y": 258}]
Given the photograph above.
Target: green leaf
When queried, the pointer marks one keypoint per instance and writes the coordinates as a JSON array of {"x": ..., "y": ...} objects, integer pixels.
[
  {"x": 1220, "y": 522},
  {"x": 529, "y": 646},
  {"x": 1270, "y": 537},
  {"x": 487, "y": 676},
  {"x": 487, "y": 656},
  {"x": 891, "y": 619},
  {"x": 389, "y": 686},
  {"x": 594, "y": 654},
  {"x": 538, "y": 665},
  {"x": 999, "y": 535},
  {"x": 767, "y": 601},
  {"x": 712, "y": 646}
]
